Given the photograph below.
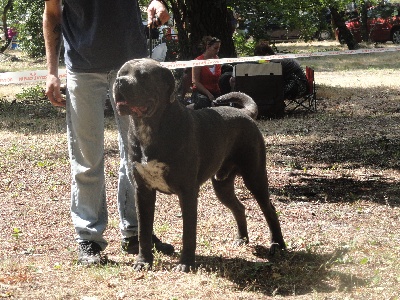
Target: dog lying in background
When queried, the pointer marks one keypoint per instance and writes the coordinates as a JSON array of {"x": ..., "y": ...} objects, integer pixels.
[{"x": 174, "y": 150}]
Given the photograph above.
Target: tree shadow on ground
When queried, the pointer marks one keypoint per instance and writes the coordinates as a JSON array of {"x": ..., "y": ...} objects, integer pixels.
[
  {"x": 336, "y": 190},
  {"x": 364, "y": 151},
  {"x": 335, "y": 162},
  {"x": 291, "y": 273}
]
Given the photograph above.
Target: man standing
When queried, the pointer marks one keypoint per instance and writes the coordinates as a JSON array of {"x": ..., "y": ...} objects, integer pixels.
[{"x": 99, "y": 37}]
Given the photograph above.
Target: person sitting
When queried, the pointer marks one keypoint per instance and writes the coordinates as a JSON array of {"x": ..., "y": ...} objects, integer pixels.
[
  {"x": 294, "y": 78},
  {"x": 205, "y": 79}
]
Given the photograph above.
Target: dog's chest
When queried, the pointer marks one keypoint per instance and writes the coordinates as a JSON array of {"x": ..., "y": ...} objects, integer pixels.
[
  {"x": 153, "y": 174},
  {"x": 143, "y": 133}
]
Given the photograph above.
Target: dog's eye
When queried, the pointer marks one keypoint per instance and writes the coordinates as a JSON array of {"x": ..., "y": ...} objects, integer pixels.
[{"x": 122, "y": 73}]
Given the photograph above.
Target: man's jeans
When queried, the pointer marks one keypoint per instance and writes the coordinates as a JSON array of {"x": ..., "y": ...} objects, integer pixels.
[{"x": 86, "y": 95}]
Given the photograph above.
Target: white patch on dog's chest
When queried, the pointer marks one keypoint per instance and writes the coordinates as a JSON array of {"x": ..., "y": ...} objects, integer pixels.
[
  {"x": 144, "y": 135},
  {"x": 154, "y": 173}
]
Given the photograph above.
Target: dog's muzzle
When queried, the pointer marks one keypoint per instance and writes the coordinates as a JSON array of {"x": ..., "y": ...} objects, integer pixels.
[{"x": 123, "y": 94}]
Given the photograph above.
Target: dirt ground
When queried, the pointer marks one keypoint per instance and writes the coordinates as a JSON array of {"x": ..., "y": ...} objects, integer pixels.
[{"x": 334, "y": 178}]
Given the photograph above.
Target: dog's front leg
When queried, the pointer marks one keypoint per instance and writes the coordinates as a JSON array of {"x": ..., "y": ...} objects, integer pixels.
[
  {"x": 145, "y": 206},
  {"x": 188, "y": 204}
]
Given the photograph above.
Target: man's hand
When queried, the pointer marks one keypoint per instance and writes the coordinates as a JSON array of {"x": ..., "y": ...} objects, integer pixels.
[
  {"x": 53, "y": 92},
  {"x": 157, "y": 13}
]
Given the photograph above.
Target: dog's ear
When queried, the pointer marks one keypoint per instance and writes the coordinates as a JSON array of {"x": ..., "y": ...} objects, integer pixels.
[{"x": 169, "y": 81}]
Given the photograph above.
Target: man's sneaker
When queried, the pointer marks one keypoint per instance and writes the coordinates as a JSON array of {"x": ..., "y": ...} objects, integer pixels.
[
  {"x": 131, "y": 245},
  {"x": 89, "y": 253}
]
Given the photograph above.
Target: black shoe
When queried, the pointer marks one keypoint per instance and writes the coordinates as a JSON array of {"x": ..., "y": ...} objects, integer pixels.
[
  {"x": 131, "y": 245},
  {"x": 89, "y": 253}
]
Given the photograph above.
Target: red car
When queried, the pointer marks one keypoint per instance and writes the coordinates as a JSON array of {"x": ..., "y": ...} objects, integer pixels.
[{"x": 383, "y": 24}]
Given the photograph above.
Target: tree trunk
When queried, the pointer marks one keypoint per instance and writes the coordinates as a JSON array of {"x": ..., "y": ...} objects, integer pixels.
[
  {"x": 344, "y": 32},
  {"x": 197, "y": 18},
  {"x": 364, "y": 31},
  {"x": 7, "y": 7},
  {"x": 180, "y": 15},
  {"x": 210, "y": 17}
]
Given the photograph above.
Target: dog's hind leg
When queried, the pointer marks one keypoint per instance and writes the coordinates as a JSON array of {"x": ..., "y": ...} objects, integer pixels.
[
  {"x": 225, "y": 191},
  {"x": 257, "y": 183}
]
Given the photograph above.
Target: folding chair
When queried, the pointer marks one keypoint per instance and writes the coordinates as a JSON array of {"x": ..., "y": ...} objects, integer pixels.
[{"x": 307, "y": 101}]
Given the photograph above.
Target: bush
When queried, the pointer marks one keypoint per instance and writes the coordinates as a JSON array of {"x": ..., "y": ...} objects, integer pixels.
[
  {"x": 31, "y": 93},
  {"x": 26, "y": 17},
  {"x": 243, "y": 46}
]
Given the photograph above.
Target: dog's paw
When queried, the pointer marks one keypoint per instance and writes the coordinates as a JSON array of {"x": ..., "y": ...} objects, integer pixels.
[
  {"x": 240, "y": 242},
  {"x": 141, "y": 266},
  {"x": 183, "y": 268},
  {"x": 276, "y": 249}
]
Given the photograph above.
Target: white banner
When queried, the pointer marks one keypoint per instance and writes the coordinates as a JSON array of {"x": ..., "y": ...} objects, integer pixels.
[
  {"x": 40, "y": 75},
  {"x": 196, "y": 63},
  {"x": 28, "y": 76}
]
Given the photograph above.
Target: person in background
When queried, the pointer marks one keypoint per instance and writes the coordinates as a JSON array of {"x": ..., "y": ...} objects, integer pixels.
[
  {"x": 12, "y": 32},
  {"x": 99, "y": 37},
  {"x": 294, "y": 78},
  {"x": 205, "y": 79}
]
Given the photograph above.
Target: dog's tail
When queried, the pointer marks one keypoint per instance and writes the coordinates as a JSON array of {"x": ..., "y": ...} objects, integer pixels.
[{"x": 241, "y": 101}]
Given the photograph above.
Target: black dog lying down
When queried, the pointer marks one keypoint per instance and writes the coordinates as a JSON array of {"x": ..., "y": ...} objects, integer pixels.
[{"x": 174, "y": 150}]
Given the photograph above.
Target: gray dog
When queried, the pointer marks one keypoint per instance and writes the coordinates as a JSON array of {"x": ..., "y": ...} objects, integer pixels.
[{"x": 174, "y": 150}]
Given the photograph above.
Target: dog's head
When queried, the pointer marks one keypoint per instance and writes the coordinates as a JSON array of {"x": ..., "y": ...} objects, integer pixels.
[{"x": 143, "y": 86}]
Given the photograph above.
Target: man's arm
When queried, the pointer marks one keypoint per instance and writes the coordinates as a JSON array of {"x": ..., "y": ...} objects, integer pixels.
[{"x": 52, "y": 18}]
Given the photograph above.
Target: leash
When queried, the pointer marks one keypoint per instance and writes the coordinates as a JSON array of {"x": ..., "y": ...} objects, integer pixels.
[
  {"x": 154, "y": 24},
  {"x": 150, "y": 40}
]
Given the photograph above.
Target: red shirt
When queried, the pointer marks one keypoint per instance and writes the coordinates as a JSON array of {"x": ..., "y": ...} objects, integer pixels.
[{"x": 210, "y": 79}]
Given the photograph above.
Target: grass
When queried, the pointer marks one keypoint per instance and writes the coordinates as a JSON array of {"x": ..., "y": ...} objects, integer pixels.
[{"x": 334, "y": 179}]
